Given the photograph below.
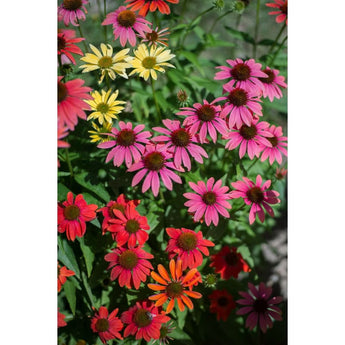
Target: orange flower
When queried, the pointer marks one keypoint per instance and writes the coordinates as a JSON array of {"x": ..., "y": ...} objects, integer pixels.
[
  {"x": 174, "y": 288},
  {"x": 63, "y": 272}
]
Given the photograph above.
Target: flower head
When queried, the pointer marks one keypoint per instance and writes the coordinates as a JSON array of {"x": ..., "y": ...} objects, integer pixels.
[
  {"x": 63, "y": 272},
  {"x": 272, "y": 83},
  {"x": 66, "y": 46},
  {"x": 182, "y": 98},
  {"x": 281, "y": 12},
  {"x": 100, "y": 134},
  {"x": 71, "y": 11},
  {"x": 280, "y": 173},
  {"x": 61, "y": 319},
  {"x": 222, "y": 304},
  {"x": 164, "y": 336},
  {"x": 153, "y": 37},
  {"x": 150, "y": 5}
]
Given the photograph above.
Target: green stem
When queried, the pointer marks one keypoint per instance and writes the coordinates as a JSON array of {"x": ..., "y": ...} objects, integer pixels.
[
  {"x": 69, "y": 163},
  {"x": 155, "y": 99},
  {"x": 81, "y": 35},
  {"x": 278, "y": 50},
  {"x": 238, "y": 21},
  {"x": 218, "y": 19},
  {"x": 256, "y": 32},
  {"x": 277, "y": 39},
  {"x": 255, "y": 160}
]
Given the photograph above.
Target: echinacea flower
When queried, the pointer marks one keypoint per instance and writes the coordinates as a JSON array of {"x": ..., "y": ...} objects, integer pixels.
[
  {"x": 154, "y": 164},
  {"x": 280, "y": 173},
  {"x": 173, "y": 287},
  {"x": 71, "y": 102},
  {"x": 188, "y": 246},
  {"x": 153, "y": 37},
  {"x": 261, "y": 307},
  {"x": 271, "y": 84},
  {"x": 105, "y": 106},
  {"x": 100, "y": 134},
  {"x": 150, "y": 5},
  {"x": 71, "y": 11},
  {"x": 124, "y": 23},
  {"x": 180, "y": 142},
  {"x": 209, "y": 199},
  {"x": 108, "y": 326},
  {"x": 164, "y": 336},
  {"x": 66, "y": 46},
  {"x": 222, "y": 304},
  {"x": 144, "y": 320},
  {"x": 146, "y": 62},
  {"x": 229, "y": 263},
  {"x": 257, "y": 195},
  {"x": 63, "y": 273},
  {"x": 281, "y": 12},
  {"x": 129, "y": 266},
  {"x": 72, "y": 215},
  {"x": 204, "y": 119},
  {"x": 127, "y": 144},
  {"x": 108, "y": 64},
  {"x": 61, "y": 319}
]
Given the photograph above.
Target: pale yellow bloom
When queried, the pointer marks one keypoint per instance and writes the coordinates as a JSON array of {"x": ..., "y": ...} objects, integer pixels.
[{"x": 97, "y": 135}]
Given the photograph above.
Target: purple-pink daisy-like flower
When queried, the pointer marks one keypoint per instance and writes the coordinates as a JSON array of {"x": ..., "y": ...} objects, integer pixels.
[
  {"x": 154, "y": 164},
  {"x": 257, "y": 196},
  {"x": 124, "y": 23},
  {"x": 204, "y": 119},
  {"x": 180, "y": 142},
  {"x": 155, "y": 36},
  {"x": 126, "y": 145},
  {"x": 243, "y": 74},
  {"x": 271, "y": 84},
  {"x": 260, "y": 306},
  {"x": 71, "y": 11},
  {"x": 209, "y": 199}
]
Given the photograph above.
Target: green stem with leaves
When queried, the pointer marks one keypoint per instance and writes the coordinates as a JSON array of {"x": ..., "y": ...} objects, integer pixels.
[
  {"x": 251, "y": 165},
  {"x": 82, "y": 36},
  {"x": 278, "y": 50},
  {"x": 256, "y": 32},
  {"x": 277, "y": 39},
  {"x": 155, "y": 99},
  {"x": 70, "y": 168},
  {"x": 218, "y": 19}
]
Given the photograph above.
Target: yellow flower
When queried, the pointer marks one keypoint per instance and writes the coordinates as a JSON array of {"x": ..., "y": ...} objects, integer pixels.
[
  {"x": 105, "y": 107},
  {"x": 106, "y": 62},
  {"x": 147, "y": 62},
  {"x": 97, "y": 135}
]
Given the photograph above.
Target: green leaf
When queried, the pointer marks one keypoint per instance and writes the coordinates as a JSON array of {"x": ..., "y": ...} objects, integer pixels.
[
  {"x": 98, "y": 189},
  {"x": 193, "y": 58},
  {"x": 179, "y": 334},
  {"x": 87, "y": 288},
  {"x": 89, "y": 256},
  {"x": 67, "y": 257},
  {"x": 244, "y": 251},
  {"x": 266, "y": 42},
  {"x": 181, "y": 317},
  {"x": 62, "y": 192},
  {"x": 209, "y": 84},
  {"x": 70, "y": 293},
  {"x": 211, "y": 41},
  {"x": 241, "y": 35}
]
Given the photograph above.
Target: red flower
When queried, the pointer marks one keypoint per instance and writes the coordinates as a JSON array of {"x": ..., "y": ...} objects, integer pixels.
[
  {"x": 63, "y": 272},
  {"x": 72, "y": 216},
  {"x": 61, "y": 319},
  {"x": 66, "y": 46},
  {"x": 144, "y": 320},
  {"x": 107, "y": 326},
  {"x": 281, "y": 12},
  {"x": 150, "y": 5},
  {"x": 221, "y": 303},
  {"x": 229, "y": 263}
]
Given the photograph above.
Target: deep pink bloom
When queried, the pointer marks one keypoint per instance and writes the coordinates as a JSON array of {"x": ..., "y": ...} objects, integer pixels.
[
  {"x": 282, "y": 12},
  {"x": 66, "y": 46},
  {"x": 154, "y": 163},
  {"x": 124, "y": 23},
  {"x": 180, "y": 142},
  {"x": 70, "y": 11},
  {"x": 126, "y": 145},
  {"x": 271, "y": 84},
  {"x": 256, "y": 195},
  {"x": 260, "y": 305},
  {"x": 209, "y": 199},
  {"x": 204, "y": 118}
]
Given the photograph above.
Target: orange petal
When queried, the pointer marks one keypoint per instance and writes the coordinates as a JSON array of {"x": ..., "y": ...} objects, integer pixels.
[
  {"x": 156, "y": 287},
  {"x": 187, "y": 301},
  {"x": 172, "y": 269},
  {"x": 158, "y": 278},
  {"x": 180, "y": 304},
  {"x": 170, "y": 306},
  {"x": 193, "y": 294},
  {"x": 156, "y": 297},
  {"x": 178, "y": 269},
  {"x": 189, "y": 276},
  {"x": 163, "y": 272},
  {"x": 161, "y": 301}
]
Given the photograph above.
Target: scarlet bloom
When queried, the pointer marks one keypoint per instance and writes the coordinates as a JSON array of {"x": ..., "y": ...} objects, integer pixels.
[
  {"x": 144, "y": 320},
  {"x": 72, "y": 216},
  {"x": 188, "y": 246},
  {"x": 108, "y": 326},
  {"x": 63, "y": 272},
  {"x": 61, "y": 319},
  {"x": 261, "y": 307},
  {"x": 229, "y": 263},
  {"x": 282, "y": 12},
  {"x": 272, "y": 84},
  {"x": 130, "y": 266},
  {"x": 222, "y": 304},
  {"x": 66, "y": 46},
  {"x": 173, "y": 287},
  {"x": 150, "y": 5}
]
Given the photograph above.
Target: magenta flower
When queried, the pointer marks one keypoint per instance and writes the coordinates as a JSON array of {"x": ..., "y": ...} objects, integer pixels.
[
  {"x": 180, "y": 142},
  {"x": 124, "y": 23},
  {"x": 209, "y": 199},
  {"x": 281, "y": 12},
  {"x": 204, "y": 119},
  {"x": 261, "y": 307},
  {"x": 70, "y": 11},
  {"x": 127, "y": 144},
  {"x": 154, "y": 163},
  {"x": 255, "y": 195},
  {"x": 271, "y": 84}
]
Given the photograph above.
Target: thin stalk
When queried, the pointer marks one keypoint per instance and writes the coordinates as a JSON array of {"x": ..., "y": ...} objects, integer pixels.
[
  {"x": 278, "y": 50},
  {"x": 70, "y": 168},
  {"x": 155, "y": 99},
  {"x": 277, "y": 39},
  {"x": 238, "y": 21},
  {"x": 255, "y": 160},
  {"x": 256, "y": 32},
  {"x": 218, "y": 19},
  {"x": 81, "y": 35}
]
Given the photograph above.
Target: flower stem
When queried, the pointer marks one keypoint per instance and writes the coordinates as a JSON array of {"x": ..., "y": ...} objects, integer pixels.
[
  {"x": 257, "y": 22},
  {"x": 278, "y": 50},
  {"x": 255, "y": 160},
  {"x": 81, "y": 35},
  {"x": 277, "y": 39},
  {"x": 218, "y": 19},
  {"x": 155, "y": 99},
  {"x": 70, "y": 168}
]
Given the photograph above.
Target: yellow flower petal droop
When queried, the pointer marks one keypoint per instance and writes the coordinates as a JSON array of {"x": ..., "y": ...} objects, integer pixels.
[
  {"x": 146, "y": 62},
  {"x": 99, "y": 132}
]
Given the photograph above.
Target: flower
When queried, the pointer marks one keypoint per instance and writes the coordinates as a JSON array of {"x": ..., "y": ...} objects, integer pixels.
[
  {"x": 188, "y": 246},
  {"x": 150, "y": 5},
  {"x": 108, "y": 326},
  {"x": 146, "y": 62},
  {"x": 101, "y": 133},
  {"x": 130, "y": 266},
  {"x": 61, "y": 319},
  {"x": 256, "y": 195},
  {"x": 153, "y": 37},
  {"x": 173, "y": 288},
  {"x": 124, "y": 23},
  {"x": 71, "y": 102},
  {"x": 280, "y": 173},
  {"x": 63, "y": 272},
  {"x": 209, "y": 199},
  {"x": 127, "y": 144},
  {"x": 154, "y": 164},
  {"x": 62, "y": 133},
  {"x": 70, "y": 11},
  {"x": 229, "y": 263},
  {"x": 271, "y": 84},
  {"x": 66, "y": 46},
  {"x": 144, "y": 320},
  {"x": 104, "y": 106},
  {"x": 108, "y": 64},
  {"x": 278, "y": 144},
  {"x": 180, "y": 142},
  {"x": 211, "y": 280},
  {"x": 282, "y": 11},
  {"x": 222, "y": 304},
  {"x": 242, "y": 74},
  {"x": 261, "y": 308},
  {"x": 182, "y": 98},
  {"x": 164, "y": 331},
  {"x": 204, "y": 119},
  {"x": 72, "y": 216}
]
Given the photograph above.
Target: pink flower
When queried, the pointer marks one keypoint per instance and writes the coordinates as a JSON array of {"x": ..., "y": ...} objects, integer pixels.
[
  {"x": 126, "y": 145},
  {"x": 209, "y": 199},
  {"x": 280, "y": 173},
  {"x": 180, "y": 142},
  {"x": 271, "y": 84},
  {"x": 70, "y": 11},
  {"x": 66, "y": 46},
  {"x": 204, "y": 119},
  {"x": 154, "y": 163},
  {"x": 124, "y": 23},
  {"x": 282, "y": 6},
  {"x": 256, "y": 195},
  {"x": 261, "y": 307}
]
